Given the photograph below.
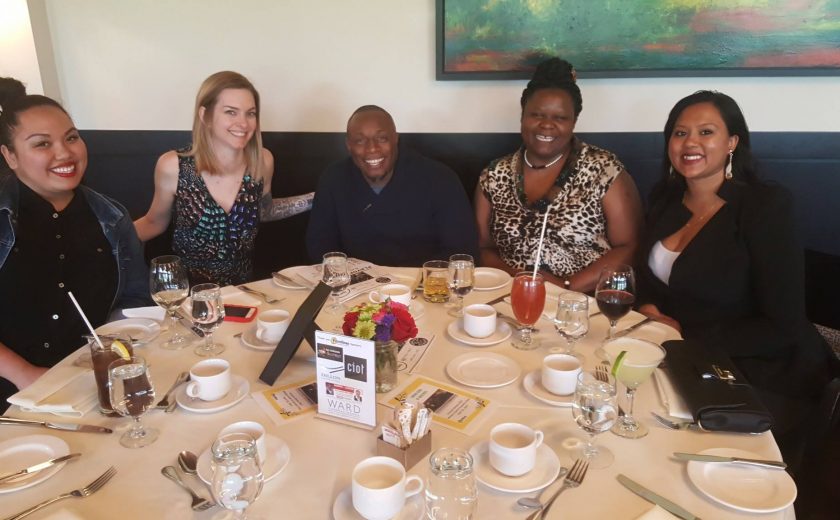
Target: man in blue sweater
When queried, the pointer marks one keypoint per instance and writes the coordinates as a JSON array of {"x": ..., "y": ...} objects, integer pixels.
[{"x": 387, "y": 204}]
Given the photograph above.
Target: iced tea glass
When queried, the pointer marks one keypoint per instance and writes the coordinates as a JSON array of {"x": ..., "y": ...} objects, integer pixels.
[
  {"x": 101, "y": 356},
  {"x": 527, "y": 298}
]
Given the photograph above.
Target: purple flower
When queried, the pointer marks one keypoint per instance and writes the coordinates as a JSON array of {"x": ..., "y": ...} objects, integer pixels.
[
  {"x": 383, "y": 332},
  {"x": 387, "y": 320}
]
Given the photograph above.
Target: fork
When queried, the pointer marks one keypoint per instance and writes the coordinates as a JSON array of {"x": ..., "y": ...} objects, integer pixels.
[
  {"x": 674, "y": 425},
  {"x": 602, "y": 374},
  {"x": 267, "y": 298},
  {"x": 198, "y": 503},
  {"x": 86, "y": 491},
  {"x": 573, "y": 480}
]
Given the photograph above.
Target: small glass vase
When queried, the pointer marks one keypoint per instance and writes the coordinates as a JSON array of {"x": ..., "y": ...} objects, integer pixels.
[{"x": 386, "y": 365}]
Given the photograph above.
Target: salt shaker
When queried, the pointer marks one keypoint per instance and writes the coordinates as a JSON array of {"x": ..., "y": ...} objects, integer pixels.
[{"x": 451, "y": 493}]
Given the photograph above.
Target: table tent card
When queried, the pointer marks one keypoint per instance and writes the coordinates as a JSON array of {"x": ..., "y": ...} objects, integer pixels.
[
  {"x": 287, "y": 402},
  {"x": 344, "y": 371}
]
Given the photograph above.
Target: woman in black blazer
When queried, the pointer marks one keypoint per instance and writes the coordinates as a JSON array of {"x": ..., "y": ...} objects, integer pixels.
[{"x": 720, "y": 260}]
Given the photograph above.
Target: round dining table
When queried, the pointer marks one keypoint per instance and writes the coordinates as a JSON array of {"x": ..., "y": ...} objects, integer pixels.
[{"x": 323, "y": 453}]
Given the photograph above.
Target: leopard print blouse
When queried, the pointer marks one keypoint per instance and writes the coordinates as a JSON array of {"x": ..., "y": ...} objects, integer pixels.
[{"x": 576, "y": 233}]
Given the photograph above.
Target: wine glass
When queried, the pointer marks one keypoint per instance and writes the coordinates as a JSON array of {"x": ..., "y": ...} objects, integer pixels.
[
  {"x": 170, "y": 287},
  {"x": 132, "y": 393},
  {"x": 237, "y": 475},
  {"x": 208, "y": 312},
  {"x": 461, "y": 270},
  {"x": 615, "y": 294},
  {"x": 640, "y": 359},
  {"x": 595, "y": 410},
  {"x": 336, "y": 276},
  {"x": 571, "y": 320},
  {"x": 527, "y": 298}
]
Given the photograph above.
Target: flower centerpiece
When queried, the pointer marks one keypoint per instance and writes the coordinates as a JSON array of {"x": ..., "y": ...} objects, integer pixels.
[{"x": 388, "y": 324}]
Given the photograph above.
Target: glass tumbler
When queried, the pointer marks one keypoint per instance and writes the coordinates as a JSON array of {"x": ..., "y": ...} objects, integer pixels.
[{"x": 451, "y": 492}]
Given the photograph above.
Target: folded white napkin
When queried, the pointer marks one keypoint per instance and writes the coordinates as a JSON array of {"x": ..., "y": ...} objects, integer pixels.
[
  {"x": 68, "y": 391},
  {"x": 152, "y": 313},
  {"x": 656, "y": 513},
  {"x": 676, "y": 405}
]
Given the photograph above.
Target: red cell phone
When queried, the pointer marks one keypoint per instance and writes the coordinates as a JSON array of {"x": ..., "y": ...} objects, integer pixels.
[{"x": 240, "y": 313}]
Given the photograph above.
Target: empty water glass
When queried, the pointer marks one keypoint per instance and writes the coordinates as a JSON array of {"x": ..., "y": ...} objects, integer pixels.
[{"x": 451, "y": 493}]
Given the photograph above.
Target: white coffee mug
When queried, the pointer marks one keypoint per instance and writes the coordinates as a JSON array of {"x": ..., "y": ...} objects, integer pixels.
[
  {"x": 210, "y": 379},
  {"x": 513, "y": 448},
  {"x": 380, "y": 487},
  {"x": 397, "y": 292},
  {"x": 559, "y": 373},
  {"x": 271, "y": 325},
  {"x": 252, "y": 428},
  {"x": 479, "y": 320}
]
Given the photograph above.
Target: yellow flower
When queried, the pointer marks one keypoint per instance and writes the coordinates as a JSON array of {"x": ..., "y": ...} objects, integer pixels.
[{"x": 364, "y": 329}]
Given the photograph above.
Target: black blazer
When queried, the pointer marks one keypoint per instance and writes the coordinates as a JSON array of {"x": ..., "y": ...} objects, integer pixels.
[{"x": 739, "y": 285}]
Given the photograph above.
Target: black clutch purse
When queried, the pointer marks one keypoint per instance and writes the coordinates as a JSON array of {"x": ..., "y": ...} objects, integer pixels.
[{"x": 718, "y": 395}]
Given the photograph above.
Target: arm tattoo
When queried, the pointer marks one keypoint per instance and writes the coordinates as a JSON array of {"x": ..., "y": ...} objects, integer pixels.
[{"x": 278, "y": 209}]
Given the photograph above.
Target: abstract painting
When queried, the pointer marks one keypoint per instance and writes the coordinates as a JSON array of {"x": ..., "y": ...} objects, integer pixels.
[{"x": 499, "y": 39}]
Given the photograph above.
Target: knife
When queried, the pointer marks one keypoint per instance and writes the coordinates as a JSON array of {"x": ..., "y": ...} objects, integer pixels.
[
  {"x": 164, "y": 403},
  {"x": 303, "y": 282},
  {"x": 38, "y": 467},
  {"x": 737, "y": 460},
  {"x": 631, "y": 328},
  {"x": 187, "y": 323},
  {"x": 500, "y": 299},
  {"x": 71, "y": 427},
  {"x": 661, "y": 501}
]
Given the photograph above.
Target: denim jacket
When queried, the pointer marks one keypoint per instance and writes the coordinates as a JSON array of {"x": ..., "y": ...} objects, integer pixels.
[{"x": 133, "y": 277}]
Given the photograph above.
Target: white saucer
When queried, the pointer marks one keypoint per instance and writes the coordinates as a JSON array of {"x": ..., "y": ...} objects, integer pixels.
[
  {"x": 545, "y": 471},
  {"x": 278, "y": 458},
  {"x": 417, "y": 309},
  {"x": 343, "y": 507},
  {"x": 22, "y": 452},
  {"x": 239, "y": 391},
  {"x": 138, "y": 329},
  {"x": 533, "y": 385},
  {"x": 489, "y": 278},
  {"x": 483, "y": 369},
  {"x": 457, "y": 332},
  {"x": 290, "y": 272},
  {"x": 249, "y": 339},
  {"x": 746, "y": 488}
]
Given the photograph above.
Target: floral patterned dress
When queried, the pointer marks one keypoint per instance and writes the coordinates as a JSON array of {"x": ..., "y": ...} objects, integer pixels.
[{"x": 216, "y": 246}]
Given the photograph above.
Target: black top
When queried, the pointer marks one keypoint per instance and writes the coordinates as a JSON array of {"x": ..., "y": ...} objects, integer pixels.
[
  {"x": 54, "y": 252},
  {"x": 739, "y": 285},
  {"x": 422, "y": 214}
]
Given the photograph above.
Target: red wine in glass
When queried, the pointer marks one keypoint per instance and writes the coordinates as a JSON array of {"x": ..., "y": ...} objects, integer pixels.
[
  {"x": 615, "y": 304},
  {"x": 615, "y": 294}
]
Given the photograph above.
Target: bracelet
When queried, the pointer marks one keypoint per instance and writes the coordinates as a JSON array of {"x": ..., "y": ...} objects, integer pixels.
[{"x": 567, "y": 283}]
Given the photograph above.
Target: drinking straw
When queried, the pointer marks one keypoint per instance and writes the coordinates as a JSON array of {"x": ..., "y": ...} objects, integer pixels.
[
  {"x": 82, "y": 314},
  {"x": 539, "y": 248}
]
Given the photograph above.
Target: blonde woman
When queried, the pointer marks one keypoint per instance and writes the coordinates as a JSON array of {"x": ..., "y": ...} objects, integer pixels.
[{"x": 219, "y": 188}]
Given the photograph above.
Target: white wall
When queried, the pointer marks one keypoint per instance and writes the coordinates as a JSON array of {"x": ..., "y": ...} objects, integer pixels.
[
  {"x": 138, "y": 65},
  {"x": 17, "y": 46}
]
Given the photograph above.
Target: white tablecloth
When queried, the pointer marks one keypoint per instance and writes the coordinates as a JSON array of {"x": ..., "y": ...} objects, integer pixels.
[{"x": 323, "y": 453}]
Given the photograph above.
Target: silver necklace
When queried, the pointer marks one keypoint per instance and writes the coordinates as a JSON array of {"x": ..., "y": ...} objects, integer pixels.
[{"x": 544, "y": 166}]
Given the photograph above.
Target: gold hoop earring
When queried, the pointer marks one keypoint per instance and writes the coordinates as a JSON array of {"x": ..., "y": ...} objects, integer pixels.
[{"x": 728, "y": 172}]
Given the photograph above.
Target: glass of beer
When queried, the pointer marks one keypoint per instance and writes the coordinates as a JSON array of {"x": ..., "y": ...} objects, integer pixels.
[
  {"x": 527, "y": 297},
  {"x": 436, "y": 281},
  {"x": 101, "y": 357}
]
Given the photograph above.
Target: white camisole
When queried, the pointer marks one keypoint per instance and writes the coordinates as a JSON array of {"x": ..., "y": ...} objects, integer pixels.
[{"x": 661, "y": 260}]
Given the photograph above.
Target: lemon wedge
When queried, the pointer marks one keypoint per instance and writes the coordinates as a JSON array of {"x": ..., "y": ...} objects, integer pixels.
[
  {"x": 118, "y": 347},
  {"x": 617, "y": 363}
]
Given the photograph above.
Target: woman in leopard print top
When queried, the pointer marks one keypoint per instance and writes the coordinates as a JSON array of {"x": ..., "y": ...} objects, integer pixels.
[{"x": 594, "y": 208}]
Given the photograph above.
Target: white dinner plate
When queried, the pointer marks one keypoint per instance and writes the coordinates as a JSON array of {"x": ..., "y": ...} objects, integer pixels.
[
  {"x": 746, "y": 488},
  {"x": 278, "y": 458},
  {"x": 489, "y": 278},
  {"x": 483, "y": 370},
  {"x": 291, "y": 272},
  {"x": 545, "y": 470},
  {"x": 238, "y": 391},
  {"x": 249, "y": 339},
  {"x": 139, "y": 329},
  {"x": 457, "y": 332},
  {"x": 343, "y": 507},
  {"x": 533, "y": 385},
  {"x": 22, "y": 452}
]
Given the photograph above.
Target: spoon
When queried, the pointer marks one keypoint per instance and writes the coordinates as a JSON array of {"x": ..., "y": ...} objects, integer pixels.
[
  {"x": 188, "y": 462},
  {"x": 534, "y": 502}
]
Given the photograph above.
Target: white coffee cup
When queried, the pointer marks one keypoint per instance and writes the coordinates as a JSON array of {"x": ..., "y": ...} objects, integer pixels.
[
  {"x": 397, "y": 292},
  {"x": 380, "y": 487},
  {"x": 252, "y": 428},
  {"x": 271, "y": 325},
  {"x": 210, "y": 379},
  {"x": 513, "y": 448},
  {"x": 559, "y": 373},
  {"x": 479, "y": 320}
]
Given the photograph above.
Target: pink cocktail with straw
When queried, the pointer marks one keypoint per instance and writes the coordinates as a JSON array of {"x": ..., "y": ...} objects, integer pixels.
[{"x": 527, "y": 298}]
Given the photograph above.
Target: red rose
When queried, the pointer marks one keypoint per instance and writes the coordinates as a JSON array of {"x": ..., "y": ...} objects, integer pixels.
[
  {"x": 350, "y": 320},
  {"x": 404, "y": 327}
]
